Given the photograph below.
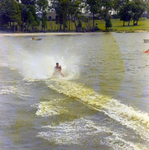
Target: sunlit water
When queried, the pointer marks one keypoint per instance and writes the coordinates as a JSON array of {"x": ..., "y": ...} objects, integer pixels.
[{"x": 101, "y": 103}]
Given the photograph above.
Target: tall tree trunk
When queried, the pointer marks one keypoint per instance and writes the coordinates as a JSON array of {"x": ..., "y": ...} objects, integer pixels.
[
  {"x": 27, "y": 26},
  {"x": 93, "y": 22},
  {"x": 63, "y": 22},
  {"x": 69, "y": 23},
  {"x": 9, "y": 24},
  {"x": 14, "y": 26},
  {"x": 74, "y": 24},
  {"x": 22, "y": 26},
  {"x": 71, "y": 26},
  {"x": 128, "y": 23},
  {"x": 60, "y": 27}
]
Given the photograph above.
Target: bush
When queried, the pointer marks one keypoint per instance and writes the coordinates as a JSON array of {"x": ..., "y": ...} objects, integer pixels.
[{"x": 108, "y": 23}]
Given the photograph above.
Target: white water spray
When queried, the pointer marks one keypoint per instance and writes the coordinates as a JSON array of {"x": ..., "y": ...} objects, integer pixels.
[{"x": 35, "y": 61}]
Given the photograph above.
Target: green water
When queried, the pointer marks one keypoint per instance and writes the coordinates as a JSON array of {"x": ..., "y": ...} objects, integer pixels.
[{"x": 102, "y": 103}]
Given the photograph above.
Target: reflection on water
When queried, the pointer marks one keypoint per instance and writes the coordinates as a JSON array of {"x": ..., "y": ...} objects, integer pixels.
[
  {"x": 134, "y": 88},
  {"x": 112, "y": 65},
  {"x": 101, "y": 103}
]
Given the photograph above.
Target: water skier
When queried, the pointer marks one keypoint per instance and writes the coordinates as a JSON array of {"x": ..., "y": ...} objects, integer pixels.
[{"x": 58, "y": 69}]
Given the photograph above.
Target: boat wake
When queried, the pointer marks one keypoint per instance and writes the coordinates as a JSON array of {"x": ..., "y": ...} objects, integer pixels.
[
  {"x": 80, "y": 131},
  {"x": 125, "y": 115}
]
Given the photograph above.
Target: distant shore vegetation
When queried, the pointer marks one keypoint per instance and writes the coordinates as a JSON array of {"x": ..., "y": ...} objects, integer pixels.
[{"x": 74, "y": 15}]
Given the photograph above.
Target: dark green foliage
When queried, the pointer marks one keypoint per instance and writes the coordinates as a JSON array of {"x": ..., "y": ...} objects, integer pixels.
[
  {"x": 28, "y": 2},
  {"x": 95, "y": 7},
  {"x": 108, "y": 23},
  {"x": 23, "y": 10},
  {"x": 67, "y": 10},
  {"x": 23, "y": 16},
  {"x": 44, "y": 19},
  {"x": 132, "y": 10},
  {"x": 10, "y": 12},
  {"x": 42, "y": 5},
  {"x": 31, "y": 16},
  {"x": 117, "y": 4},
  {"x": 61, "y": 7},
  {"x": 125, "y": 13},
  {"x": 107, "y": 5},
  {"x": 137, "y": 10},
  {"x": 75, "y": 11}
]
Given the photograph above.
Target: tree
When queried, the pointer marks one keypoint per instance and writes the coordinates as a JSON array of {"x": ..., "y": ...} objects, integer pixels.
[
  {"x": 32, "y": 18},
  {"x": 24, "y": 14},
  {"x": 15, "y": 15},
  {"x": 125, "y": 13},
  {"x": 147, "y": 8},
  {"x": 28, "y": 11},
  {"x": 74, "y": 11},
  {"x": 132, "y": 10},
  {"x": 4, "y": 18},
  {"x": 64, "y": 9},
  {"x": 108, "y": 23},
  {"x": 10, "y": 12},
  {"x": 44, "y": 21},
  {"x": 61, "y": 7},
  {"x": 28, "y": 2},
  {"x": 138, "y": 8},
  {"x": 106, "y": 6},
  {"x": 55, "y": 5},
  {"x": 94, "y": 8},
  {"x": 42, "y": 5},
  {"x": 117, "y": 4}
]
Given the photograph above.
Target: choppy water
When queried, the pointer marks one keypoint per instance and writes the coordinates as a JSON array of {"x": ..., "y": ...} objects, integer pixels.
[{"x": 101, "y": 104}]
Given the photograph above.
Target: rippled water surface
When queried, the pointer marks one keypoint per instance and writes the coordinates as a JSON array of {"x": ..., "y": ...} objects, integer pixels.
[{"x": 102, "y": 103}]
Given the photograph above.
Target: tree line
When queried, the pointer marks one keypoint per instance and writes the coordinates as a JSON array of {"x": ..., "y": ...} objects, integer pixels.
[{"x": 21, "y": 15}]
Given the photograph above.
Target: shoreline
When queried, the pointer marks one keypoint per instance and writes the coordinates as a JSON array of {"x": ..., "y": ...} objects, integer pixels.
[
  {"x": 40, "y": 34},
  {"x": 5, "y": 34}
]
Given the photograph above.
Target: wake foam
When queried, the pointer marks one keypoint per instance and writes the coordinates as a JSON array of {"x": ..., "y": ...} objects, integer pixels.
[
  {"x": 80, "y": 131},
  {"x": 50, "y": 108},
  {"x": 126, "y": 115}
]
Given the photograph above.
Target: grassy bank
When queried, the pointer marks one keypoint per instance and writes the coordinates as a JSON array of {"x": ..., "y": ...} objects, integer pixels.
[
  {"x": 142, "y": 25},
  {"x": 117, "y": 25}
]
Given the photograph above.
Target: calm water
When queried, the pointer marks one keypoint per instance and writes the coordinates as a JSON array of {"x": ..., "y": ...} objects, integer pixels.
[{"x": 101, "y": 104}]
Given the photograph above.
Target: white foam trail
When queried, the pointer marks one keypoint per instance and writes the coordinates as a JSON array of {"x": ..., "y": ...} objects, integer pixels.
[
  {"x": 126, "y": 115},
  {"x": 135, "y": 119},
  {"x": 50, "y": 108},
  {"x": 117, "y": 143},
  {"x": 8, "y": 90},
  {"x": 79, "y": 132}
]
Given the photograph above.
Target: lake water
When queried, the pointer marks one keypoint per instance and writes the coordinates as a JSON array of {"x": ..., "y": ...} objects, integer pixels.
[{"x": 102, "y": 103}]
